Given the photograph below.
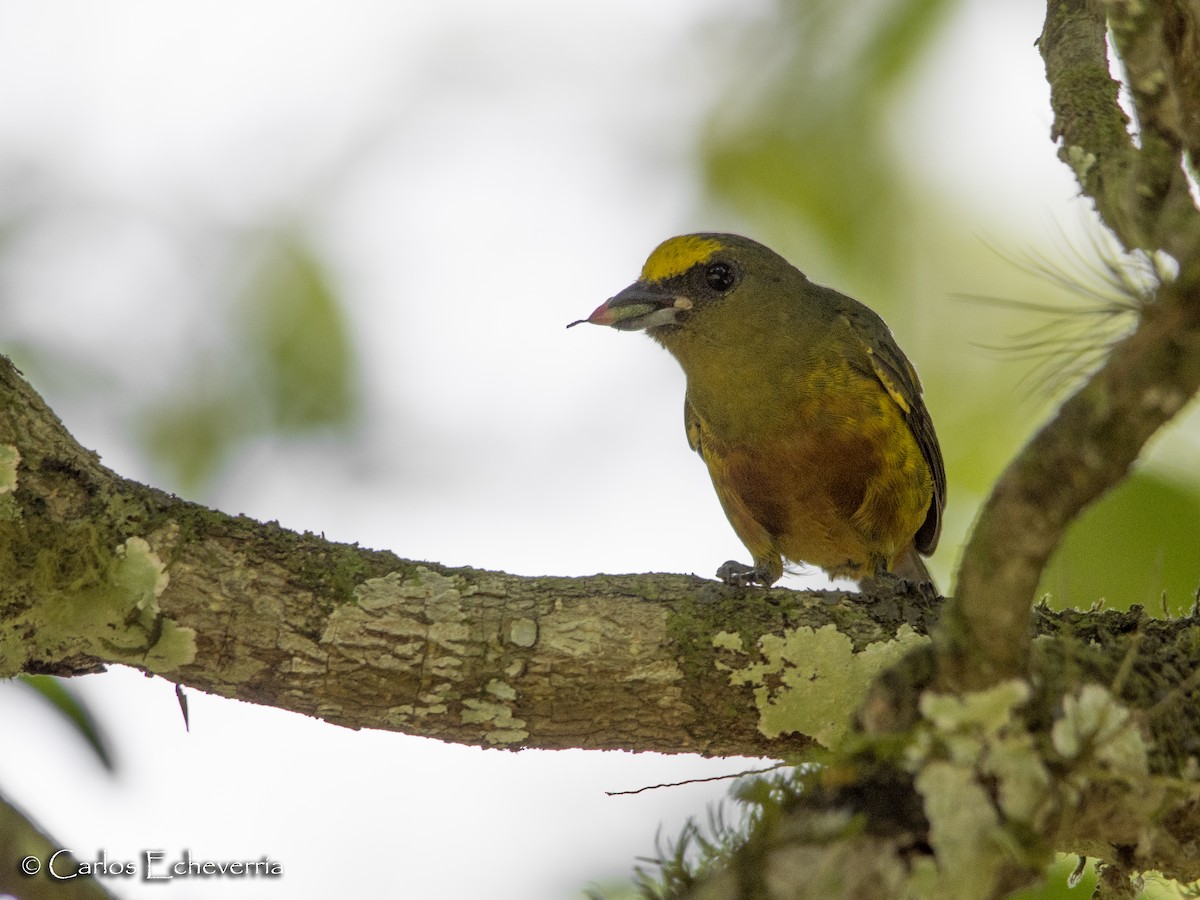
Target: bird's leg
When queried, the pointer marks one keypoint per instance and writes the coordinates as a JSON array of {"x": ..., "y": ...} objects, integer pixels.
[
  {"x": 886, "y": 583},
  {"x": 739, "y": 574}
]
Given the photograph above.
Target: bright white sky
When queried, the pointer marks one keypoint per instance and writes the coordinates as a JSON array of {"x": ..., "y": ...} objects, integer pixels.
[{"x": 477, "y": 175}]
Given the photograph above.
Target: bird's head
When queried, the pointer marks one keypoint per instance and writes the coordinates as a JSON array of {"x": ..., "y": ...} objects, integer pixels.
[{"x": 686, "y": 275}]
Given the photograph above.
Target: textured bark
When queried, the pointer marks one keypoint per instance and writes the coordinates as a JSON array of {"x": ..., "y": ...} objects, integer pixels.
[
  {"x": 1089, "y": 446},
  {"x": 97, "y": 569},
  {"x": 649, "y": 662}
]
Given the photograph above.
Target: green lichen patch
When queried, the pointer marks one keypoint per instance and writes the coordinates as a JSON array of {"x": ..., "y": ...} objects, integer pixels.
[
  {"x": 982, "y": 732},
  {"x": 973, "y": 758},
  {"x": 100, "y": 603},
  {"x": 989, "y": 710},
  {"x": 810, "y": 681},
  {"x": 10, "y": 460},
  {"x": 422, "y": 620},
  {"x": 522, "y": 632},
  {"x": 1080, "y": 161},
  {"x": 1094, "y": 725},
  {"x": 964, "y": 726},
  {"x": 992, "y": 789},
  {"x": 502, "y": 727},
  {"x": 964, "y": 830}
]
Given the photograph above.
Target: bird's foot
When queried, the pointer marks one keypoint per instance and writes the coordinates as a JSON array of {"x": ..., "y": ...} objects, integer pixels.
[
  {"x": 739, "y": 574},
  {"x": 889, "y": 583}
]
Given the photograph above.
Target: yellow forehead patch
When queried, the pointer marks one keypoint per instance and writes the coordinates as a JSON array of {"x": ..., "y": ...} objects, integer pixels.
[{"x": 676, "y": 255}]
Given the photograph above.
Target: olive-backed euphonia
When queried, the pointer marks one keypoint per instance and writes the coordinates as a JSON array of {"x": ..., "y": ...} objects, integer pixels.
[{"x": 806, "y": 412}]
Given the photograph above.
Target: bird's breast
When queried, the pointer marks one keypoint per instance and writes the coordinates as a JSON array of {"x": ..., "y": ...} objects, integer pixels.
[{"x": 825, "y": 463}]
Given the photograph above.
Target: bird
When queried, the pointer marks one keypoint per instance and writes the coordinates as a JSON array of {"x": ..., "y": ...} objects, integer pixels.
[{"x": 806, "y": 412}]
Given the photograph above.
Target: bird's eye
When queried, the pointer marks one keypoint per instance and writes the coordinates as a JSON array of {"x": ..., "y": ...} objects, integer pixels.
[{"x": 720, "y": 276}]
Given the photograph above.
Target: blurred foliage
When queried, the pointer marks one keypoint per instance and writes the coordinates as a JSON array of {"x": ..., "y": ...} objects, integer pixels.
[
  {"x": 298, "y": 342},
  {"x": 614, "y": 889},
  {"x": 288, "y": 368},
  {"x": 800, "y": 137},
  {"x": 734, "y": 836},
  {"x": 1135, "y": 545},
  {"x": 1057, "y": 885},
  {"x": 72, "y": 708}
]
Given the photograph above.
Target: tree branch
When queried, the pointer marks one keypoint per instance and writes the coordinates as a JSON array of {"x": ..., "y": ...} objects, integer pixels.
[
  {"x": 1096, "y": 436},
  {"x": 973, "y": 798},
  {"x": 97, "y": 569},
  {"x": 654, "y": 662}
]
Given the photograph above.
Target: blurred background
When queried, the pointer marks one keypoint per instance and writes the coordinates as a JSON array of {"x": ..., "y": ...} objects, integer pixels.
[{"x": 312, "y": 262}]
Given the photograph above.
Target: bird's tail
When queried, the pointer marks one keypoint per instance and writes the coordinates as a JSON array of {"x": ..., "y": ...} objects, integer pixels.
[{"x": 912, "y": 567}]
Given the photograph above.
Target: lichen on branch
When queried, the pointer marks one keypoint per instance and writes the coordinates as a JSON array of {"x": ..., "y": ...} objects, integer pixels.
[{"x": 1140, "y": 189}]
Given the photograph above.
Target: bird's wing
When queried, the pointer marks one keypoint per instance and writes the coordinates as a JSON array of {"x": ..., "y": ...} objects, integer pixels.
[
  {"x": 900, "y": 380},
  {"x": 691, "y": 424}
]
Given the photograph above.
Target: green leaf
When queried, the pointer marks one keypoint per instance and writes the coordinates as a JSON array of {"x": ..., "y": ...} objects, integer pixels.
[
  {"x": 194, "y": 435},
  {"x": 287, "y": 367},
  {"x": 802, "y": 141},
  {"x": 298, "y": 341},
  {"x": 74, "y": 710},
  {"x": 1057, "y": 883}
]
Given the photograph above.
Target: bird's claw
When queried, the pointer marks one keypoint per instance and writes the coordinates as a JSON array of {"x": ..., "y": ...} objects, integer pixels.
[
  {"x": 885, "y": 582},
  {"x": 739, "y": 574}
]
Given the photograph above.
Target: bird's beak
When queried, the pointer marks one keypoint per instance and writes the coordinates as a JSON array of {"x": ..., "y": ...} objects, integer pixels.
[{"x": 638, "y": 307}]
